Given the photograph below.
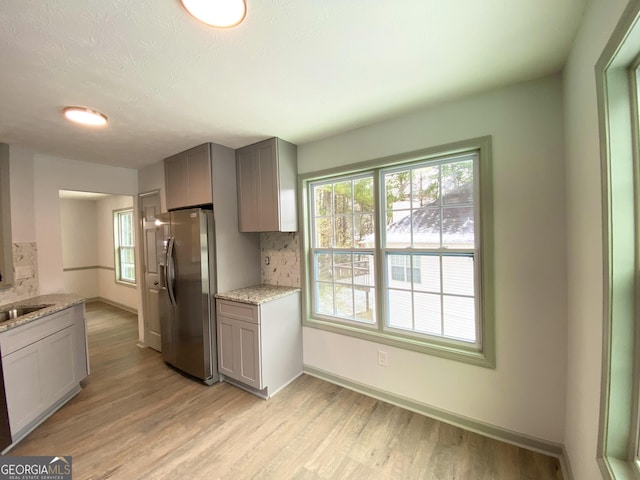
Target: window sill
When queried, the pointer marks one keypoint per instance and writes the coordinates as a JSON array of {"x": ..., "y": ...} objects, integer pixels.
[
  {"x": 450, "y": 352},
  {"x": 126, "y": 284},
  {"x": 616, "y": 469}
]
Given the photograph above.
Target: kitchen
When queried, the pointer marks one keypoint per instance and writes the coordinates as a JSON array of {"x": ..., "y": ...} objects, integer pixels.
[
  {"x": 546, "y": 402},
  {"x": 280, "y": 248}
]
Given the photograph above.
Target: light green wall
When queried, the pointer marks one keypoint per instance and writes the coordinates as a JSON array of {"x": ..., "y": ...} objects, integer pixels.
[
  {"x": 584, "y": 238},
  {"x": 526, "y": 391}
]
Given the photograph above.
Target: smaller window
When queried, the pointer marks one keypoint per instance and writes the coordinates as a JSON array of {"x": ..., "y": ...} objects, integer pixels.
[{"x": 124, "y": 241}]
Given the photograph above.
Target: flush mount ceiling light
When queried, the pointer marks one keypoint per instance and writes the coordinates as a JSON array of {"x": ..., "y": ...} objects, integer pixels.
[
  {"x": 217, "y": 13},
  {"x": 85, "y": 116}
]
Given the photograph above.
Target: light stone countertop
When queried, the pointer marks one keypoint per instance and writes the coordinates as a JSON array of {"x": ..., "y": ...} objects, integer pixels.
[
  {"x": 257, "y": 294},
  {"x": 56, "y": 302}
]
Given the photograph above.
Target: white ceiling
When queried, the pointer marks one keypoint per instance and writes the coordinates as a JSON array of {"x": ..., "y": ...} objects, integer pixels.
[{"x": 301, "y": 70}]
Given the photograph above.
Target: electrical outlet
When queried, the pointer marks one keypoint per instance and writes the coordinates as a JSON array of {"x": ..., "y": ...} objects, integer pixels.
[
  {"x": 23, "y": 272},
  {"x": 382, "y": 358}
]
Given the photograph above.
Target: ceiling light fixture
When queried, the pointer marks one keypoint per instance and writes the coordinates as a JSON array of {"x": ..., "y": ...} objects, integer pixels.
[
  {"x": 85, "y": 116},
  {"x": 217, "y": 13}
]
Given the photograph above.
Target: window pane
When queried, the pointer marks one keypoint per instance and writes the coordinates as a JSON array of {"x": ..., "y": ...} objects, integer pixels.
[
  {"x": 457, "y": 275},
  {"x": 323, "y": 232},
  {"x": 363, "y": 195},
  {"x": 364, "y": 291},
  {"x": 344, "y": 231},
  {"x": 436, "y": 213},
  {"x": 457, "y": 182},
  {"x": 124, "y": 246},
  {"x": 128, "y": 273},
  {"x": 459, "y": 318},
  {"x": 126, "y": 228},
  {"x": 324, "y": 298},
  {"x": 398, "y": 233},
  {"x": 365, "y": 301},
  {"x": 398, "y": 189},
  {"x": 323, "y": 200},
  {"x": 324, "y": 270},
  {"x": 425, "y": 186},
  {"x": 343, "y": 218},
  {"x": 342, "y": 198},
  {"x": 400, "y": 310},
  {"x": 457, "y": 227},
  {"x": 363, "y": 272},
  {"x": 428, "y": 312},
  {"x": 429, "y": 273},
  {"x": 342, "y": 268},
  {"x": 397, "y": 265},
  {"x": 364, "y": 236},
  {"x": 426, "y": 227},
  {"x": 344, "y": 301}
]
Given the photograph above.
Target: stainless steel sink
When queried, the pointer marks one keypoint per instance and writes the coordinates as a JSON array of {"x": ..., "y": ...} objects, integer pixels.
[{"x": 16, "y": 312}]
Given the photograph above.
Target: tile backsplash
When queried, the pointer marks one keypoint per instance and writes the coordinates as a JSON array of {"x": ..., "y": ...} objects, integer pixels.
[
  {"x": 283, "y": 250},
  {"x": 25, "y": 266}
]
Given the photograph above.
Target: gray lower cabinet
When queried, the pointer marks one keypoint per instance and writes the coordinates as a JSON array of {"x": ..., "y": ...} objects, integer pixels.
[
  {"x": 260, "y": 346},
  {"x": 43, "y": 363},
  {"x": 240, "y": 351}
]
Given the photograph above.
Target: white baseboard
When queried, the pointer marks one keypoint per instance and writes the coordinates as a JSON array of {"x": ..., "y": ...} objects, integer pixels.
[{"x": 113, "y": 304}]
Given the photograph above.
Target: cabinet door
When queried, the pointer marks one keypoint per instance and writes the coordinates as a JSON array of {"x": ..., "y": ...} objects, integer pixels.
[
  {"x": 24, "y": 389},
  {"x": 248, "y": 354},
  {"x": 39, "y": 375},
  {"x": 247, "y": 190},
  {"x": 225, "y": 346},
  {"x": 267, "y": 180},
  {"x": 188, "y": 178},
  {"x": 176, "y": 171},
  {"x": 199, "y": 168},
  {"x": 80, "y": 342},
  {"x": 239, "y": 351},
  {"x": 57, "y": 354}
]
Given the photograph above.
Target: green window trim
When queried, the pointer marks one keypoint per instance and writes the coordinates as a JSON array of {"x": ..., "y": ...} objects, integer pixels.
[
  {"x": 481, "y": 353},
  {"x": 617, "y": 88},
  {"x": 124, "y": 246}
]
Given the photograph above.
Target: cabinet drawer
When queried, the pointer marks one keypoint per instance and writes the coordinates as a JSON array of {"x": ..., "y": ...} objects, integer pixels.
[
  {"x": 19, "y": 337},
  {"x": 237, "y": 310}
]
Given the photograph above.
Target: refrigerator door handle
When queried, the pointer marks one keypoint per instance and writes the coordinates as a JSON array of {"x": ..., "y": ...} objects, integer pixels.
[{"x": 169, "y": 271}]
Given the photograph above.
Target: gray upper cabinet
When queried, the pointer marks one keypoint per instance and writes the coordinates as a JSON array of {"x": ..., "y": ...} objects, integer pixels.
[
  {"x": 206, "y": 175},
  {"x": 188, "y": 178},
  {"x": 267, "y": 200}
]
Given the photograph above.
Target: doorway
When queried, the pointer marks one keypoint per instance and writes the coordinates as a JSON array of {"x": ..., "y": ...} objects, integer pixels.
[
  {"x": 98, "y": 257},
  {"x": 150, "y": 207}
]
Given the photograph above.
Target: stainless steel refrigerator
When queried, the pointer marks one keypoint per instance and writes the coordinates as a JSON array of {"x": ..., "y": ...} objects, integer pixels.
[{"x": 186, "y": 259}]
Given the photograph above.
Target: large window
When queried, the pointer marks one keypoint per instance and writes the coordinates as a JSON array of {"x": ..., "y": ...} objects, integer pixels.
[
  {"x": 396, "y": 251},
  {"x": 342, "y": 221},
  {"x": 617, "y": 76},
  {"x": 124, "y": 241}
]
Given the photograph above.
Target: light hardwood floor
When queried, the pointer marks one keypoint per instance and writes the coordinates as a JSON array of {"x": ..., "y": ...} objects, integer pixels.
[{"x": 137, "y": 418}]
